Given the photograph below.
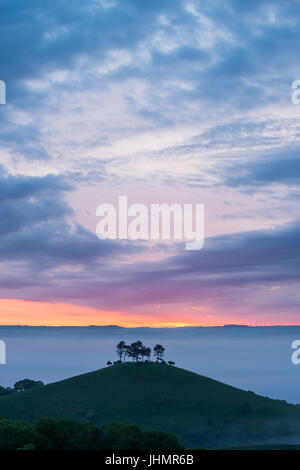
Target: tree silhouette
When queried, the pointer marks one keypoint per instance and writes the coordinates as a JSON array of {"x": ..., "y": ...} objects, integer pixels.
[
  {"x": 5, "y": 391},
  {"x": 126, "y": 352},
  {"x": 138, "y": 352},
  {"x": 147, "y": 352},
  {"x": 135, "y": 350},
  {"x": 142, "y": 353},
  {"x": 121, "y": 349},
  {"x": 27, "y": 384},
  {"x": 159, "y": 352}
]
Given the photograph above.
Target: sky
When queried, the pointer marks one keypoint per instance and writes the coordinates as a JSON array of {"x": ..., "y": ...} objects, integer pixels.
[{"x": 165, "y": 101}]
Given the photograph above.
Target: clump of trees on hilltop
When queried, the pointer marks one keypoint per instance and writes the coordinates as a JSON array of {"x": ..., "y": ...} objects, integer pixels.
[{"x": 139, "y": 353}]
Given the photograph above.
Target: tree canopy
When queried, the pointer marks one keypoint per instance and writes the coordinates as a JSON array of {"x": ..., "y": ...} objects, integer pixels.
[
  {"x": 69, "y": 434},
  {"x": 21, "y": 386},
  {"x": 139, "y": 353}
]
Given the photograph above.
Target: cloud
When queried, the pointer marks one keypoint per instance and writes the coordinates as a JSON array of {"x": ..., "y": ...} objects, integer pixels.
[
  {"x": 24, "y": 140},
  {"x": 279, "y": 167},
  {"x": 184, "y": 92},
  {"x": 55, "y": 35},
  {"x": 235, "y": 271},
  {"x": 227, "y": 264},
  {"x": 35, "y": 228},
  {"x": 21, "y": 186}
]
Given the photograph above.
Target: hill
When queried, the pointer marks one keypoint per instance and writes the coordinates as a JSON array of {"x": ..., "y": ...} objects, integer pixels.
[{"x": 199, "y": 410}]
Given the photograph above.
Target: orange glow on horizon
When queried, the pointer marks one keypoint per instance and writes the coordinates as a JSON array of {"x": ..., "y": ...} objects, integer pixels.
[{"x": 26, "y": 312}]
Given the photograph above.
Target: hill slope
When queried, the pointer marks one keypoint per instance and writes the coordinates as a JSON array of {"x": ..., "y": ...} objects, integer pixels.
[{"x": 201, "y": 411}]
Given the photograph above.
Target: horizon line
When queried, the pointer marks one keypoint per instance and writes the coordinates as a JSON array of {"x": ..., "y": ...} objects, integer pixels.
[{"x": 226, "y": 325}]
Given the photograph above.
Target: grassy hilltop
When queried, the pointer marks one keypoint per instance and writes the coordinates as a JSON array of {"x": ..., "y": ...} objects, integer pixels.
[{"x": 199, "y": 410}]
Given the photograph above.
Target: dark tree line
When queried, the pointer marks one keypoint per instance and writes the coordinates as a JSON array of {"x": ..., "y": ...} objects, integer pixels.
[
  {"x": 138, "y": 352},
  {"x": 67, "y": 434},
  {"x": 21, "y": 386}
]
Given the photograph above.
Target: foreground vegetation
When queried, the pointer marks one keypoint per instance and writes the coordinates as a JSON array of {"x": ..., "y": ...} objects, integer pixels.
[
  {"x": 66, "y": 434},
  {"x": 200, "y": 411}
]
